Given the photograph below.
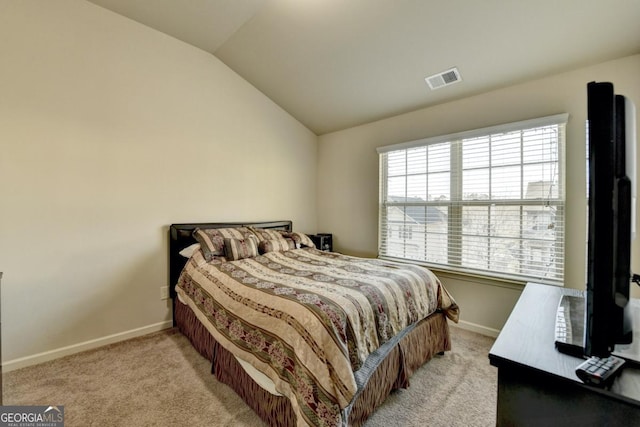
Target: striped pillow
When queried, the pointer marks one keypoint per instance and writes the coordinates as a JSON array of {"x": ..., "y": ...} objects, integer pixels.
[
  {"x": 212, "y": 239},
  {"x": 276, "y": 245},
  {"x": 236, "y": 249},
  {"x": 301, "y": 239},
  {"x": 268, "y": 234}
]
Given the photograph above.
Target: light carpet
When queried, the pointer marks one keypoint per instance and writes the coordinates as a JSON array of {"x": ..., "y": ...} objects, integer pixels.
[{"x": 160, "y": 380}]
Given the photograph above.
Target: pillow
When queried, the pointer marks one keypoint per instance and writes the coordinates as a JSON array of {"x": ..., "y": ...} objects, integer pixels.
[
  {"x": 212, "y": 239},
  {"x": 276, "y": 245},
  {"x": 236, "y": 249},
  {"x": 190, "y": 250},
  {"x": 266, "y": 234},
  {"x": 301, "y": 239}
]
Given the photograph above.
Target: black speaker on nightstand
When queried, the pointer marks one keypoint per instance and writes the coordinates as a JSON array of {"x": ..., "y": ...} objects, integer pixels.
[{"x": 323, "y": 241}]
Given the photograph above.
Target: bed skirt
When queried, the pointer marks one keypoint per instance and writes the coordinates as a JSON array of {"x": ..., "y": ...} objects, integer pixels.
[{"x": 428, "y": 338}]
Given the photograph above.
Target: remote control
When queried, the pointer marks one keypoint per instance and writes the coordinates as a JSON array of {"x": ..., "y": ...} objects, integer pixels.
[{"x": 599, "y": 371}]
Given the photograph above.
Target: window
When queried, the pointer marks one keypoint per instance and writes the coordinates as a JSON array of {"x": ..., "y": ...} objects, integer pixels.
[{"x": 488, "y": 202}]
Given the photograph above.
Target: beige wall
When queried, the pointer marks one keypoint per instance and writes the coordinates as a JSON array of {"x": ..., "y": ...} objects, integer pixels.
[
  {"x": 109, "y": 132},
  {"x": 348, "y": 172}
]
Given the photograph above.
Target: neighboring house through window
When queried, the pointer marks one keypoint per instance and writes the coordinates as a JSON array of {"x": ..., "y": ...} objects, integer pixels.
[{"x": 489, "y": 201}]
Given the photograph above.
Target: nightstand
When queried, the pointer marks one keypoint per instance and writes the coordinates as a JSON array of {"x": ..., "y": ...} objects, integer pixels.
[{"x": 323, "y": 241}]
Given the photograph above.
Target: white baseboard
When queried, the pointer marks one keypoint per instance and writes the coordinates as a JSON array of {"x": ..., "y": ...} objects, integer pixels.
[
  {"x": 473, "y": 327},
  {"x": 35, "y": 359},
  {"x": 46, "y": 356}
]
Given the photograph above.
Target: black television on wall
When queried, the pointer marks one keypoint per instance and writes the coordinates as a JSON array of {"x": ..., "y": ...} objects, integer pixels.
[{"x": 611, "y": 219}]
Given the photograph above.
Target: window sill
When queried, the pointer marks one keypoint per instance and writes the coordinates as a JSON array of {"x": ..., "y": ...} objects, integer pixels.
[{"x": 482, "y": 279}]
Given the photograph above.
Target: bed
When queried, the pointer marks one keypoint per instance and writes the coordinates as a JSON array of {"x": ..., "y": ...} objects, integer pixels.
[{"x": 304, "y": 337}]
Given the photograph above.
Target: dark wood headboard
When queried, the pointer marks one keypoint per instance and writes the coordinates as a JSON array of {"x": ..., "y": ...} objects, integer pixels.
[{"x": 181, "y": 236}]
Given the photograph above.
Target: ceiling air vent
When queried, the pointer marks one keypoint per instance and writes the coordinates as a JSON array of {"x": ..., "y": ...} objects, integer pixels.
[{"x": 443, "y": 79}]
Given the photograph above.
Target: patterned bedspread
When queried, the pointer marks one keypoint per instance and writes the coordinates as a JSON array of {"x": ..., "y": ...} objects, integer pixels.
[{"x": 308, "y": 319}]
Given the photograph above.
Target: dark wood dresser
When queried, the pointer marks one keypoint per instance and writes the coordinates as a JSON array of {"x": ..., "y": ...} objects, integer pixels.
[{"x": 537, "y": 385}]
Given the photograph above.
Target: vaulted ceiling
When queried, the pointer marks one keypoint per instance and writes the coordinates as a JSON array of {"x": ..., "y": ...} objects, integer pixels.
[{"x": 334, "y": 64}]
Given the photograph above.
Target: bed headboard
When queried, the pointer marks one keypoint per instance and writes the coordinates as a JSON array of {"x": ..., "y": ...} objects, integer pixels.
[{"x": 180, "y": 236}]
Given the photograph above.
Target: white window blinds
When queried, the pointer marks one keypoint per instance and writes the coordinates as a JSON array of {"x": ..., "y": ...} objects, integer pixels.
[{"x": 489, "y": 201}]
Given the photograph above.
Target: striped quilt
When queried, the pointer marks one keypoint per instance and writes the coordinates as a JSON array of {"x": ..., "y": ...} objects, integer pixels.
[{"x": 308, "y": 319}]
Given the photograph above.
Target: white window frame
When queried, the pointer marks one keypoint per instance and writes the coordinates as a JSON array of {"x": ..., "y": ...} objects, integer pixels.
[{"x": 457, "y": 202}]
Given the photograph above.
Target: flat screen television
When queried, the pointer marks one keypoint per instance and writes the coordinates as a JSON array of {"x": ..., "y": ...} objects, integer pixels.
[
  {"x": 593, "y": 323},
  {"x": 611, "y": 145}
]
